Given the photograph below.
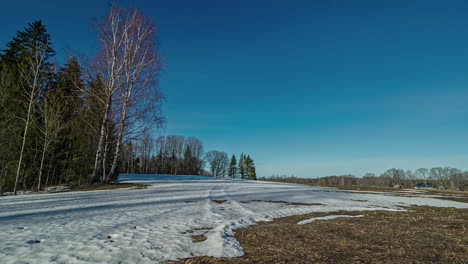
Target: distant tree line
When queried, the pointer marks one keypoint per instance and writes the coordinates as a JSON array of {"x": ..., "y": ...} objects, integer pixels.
[
  {"x": 221, "y": 166},
  {"x": 177, "y": 155},
  {"x": 170, "y": 154},
  {"x": 62, "y": 124},
  {"x": 439, "y": 177}
]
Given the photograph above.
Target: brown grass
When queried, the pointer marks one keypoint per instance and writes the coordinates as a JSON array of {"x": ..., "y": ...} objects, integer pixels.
[
  {"x": 463, "y": 199},
  {"x": 424, "y": 235},
  {"x": 433, "y": 191},
  {"x": 199, "y": 238}
]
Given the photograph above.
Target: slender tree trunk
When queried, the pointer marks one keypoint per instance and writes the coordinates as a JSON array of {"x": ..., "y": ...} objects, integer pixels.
[
  {"x": 42, "y": 165},
  {"x": 104, "y": 159},
  {"x": 128, "y": 164},
  {"x": 23, "y": 144},
  {"x": 60, "y": 178},
  {"x": 48, "y": 174},
  {"x": 2, "y": 172},
  {"x": 53, "y": 173},
  {"x": 119, "y": 140},
  {"x": 102, "y": 136}
]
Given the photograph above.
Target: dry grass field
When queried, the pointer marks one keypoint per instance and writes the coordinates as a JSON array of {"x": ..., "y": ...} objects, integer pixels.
[{"x": 421, "y": 235}]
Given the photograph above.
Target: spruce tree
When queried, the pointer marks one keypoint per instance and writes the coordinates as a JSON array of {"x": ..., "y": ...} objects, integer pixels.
[
  {"x": 242, "y": 166},
  {"x": 232, "y": 173},
  {"x": 251, "y": 173},
  {"x": 69, "y": 87}
]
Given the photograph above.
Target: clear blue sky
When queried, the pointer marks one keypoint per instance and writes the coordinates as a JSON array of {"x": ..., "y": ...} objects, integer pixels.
[{"x": 309, "y": 88}]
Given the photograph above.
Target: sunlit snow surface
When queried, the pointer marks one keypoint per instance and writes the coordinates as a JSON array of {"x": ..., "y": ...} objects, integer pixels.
[{"x": 150, "y": 225}]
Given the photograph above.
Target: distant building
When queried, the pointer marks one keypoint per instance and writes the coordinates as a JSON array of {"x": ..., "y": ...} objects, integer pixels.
[{"x": 423, "y": 185}]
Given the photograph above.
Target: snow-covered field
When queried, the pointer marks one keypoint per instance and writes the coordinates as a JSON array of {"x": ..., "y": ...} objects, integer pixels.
[{"x": 155, "y": 224}]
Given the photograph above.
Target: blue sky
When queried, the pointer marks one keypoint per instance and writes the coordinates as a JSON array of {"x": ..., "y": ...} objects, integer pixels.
[{"x": 309, "y": 88}]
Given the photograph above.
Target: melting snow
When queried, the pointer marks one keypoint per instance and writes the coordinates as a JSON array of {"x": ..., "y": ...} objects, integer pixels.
[{"x": 150, "y": 225}]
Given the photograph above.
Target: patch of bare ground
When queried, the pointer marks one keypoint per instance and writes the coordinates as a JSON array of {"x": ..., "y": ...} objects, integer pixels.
[
  {"x": 199, "y": 238},
  {"x": 422, "y": 235},
  {"x": 362, "y": 201},
  {"x": 218, "y": 201},
  {"x": 196, "y": 238},
  {"x": 107, "y": 186}
]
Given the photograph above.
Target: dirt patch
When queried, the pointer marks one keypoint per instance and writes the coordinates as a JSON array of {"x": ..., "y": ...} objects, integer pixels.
[
  {"x": 202, "y": 228},
  {"x": 422, "y": 235},
  {"x": 191, "y": 231},
  {"x": 218, "y": 201},
  {"x": 199, "y": 238}
]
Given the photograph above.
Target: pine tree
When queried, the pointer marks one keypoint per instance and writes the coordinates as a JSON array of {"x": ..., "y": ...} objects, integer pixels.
[
  {"x": 69, "y": 87},
  {"x": 241, "y": 166},
  {"x": 233, "y": 167},
  {"x": 250, "y": 169}
]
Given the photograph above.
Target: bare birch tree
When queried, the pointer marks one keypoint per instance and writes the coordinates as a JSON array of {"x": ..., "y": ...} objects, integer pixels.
[
  {"x": 49, "y": 131},
  {"x": 139, "y": 93},
  {"x": 31, "y": 77},
  {"x": 130, "y": 66},
  {"x": 110, "y": 67}
]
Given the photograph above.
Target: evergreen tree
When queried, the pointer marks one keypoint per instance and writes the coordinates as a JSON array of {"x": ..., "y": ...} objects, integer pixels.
[
  {"x": 69, "y": 87},
  {"x": 233, "y": 167},
  {"x": 241, "y": 166},
  {"x": 250, "y": 169},
  {"x": 29, "y": 46},
  {"x": 26, "y": 76}
]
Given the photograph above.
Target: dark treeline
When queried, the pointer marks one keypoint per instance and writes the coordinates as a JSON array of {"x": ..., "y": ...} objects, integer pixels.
[
  {"x": 46, "y": 120},
  {"x": 437, "y": 177},
  {"x": 177, "y": 155},
  {"x": 70, "y": 123},
  {"x": 171, "y": 154}
]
